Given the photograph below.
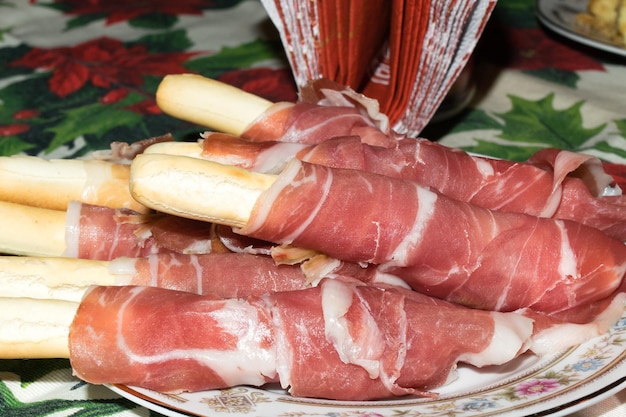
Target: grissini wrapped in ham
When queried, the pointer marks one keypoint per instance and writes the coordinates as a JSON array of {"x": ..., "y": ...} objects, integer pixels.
[
  {"x": 339, "y": 340},
  {"x": 553, "y": 183},
  {"x": 440, "y": 246},
  {"x": 53, "y": 183},
  {"x": 227, "y": 274},
  {"x": 97, "y": 232},
  {"x": 209, "y": 103},
  {"x": 366, "y": 342},
  {"x": 327, "y": 110},
  {"x": 89, "y": 231}
]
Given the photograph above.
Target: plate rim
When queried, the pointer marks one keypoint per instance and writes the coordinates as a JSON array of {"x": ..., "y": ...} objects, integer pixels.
[{"x": 545, "y": 9}]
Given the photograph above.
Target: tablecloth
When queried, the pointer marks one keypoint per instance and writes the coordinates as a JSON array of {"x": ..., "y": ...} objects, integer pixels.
[{"x": 77, "y": 75}]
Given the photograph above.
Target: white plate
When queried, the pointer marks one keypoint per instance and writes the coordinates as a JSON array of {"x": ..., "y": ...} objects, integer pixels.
[
  {"x": 553, "y": 386},
  {"x": 559, "y": 16}
]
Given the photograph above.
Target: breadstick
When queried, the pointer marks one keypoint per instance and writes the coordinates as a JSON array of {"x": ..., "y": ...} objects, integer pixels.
[
  {"x": 190, "y": 149},
  {"x": 32, "y": 328},
  {"x": 34, "y": 231},
  {"x": 54, "y": 183},
  {"x": 196, "y": 188},
  {"x": 209, "y": 103},
  {"x": 52, "y": 277}
]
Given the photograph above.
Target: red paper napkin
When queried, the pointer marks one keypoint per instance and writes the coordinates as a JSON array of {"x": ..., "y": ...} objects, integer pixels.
[{"x": 404, "y": 53}]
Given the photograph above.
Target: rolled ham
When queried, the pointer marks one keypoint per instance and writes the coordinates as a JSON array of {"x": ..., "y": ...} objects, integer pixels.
[
  {"x": 339, "y": 340},
  {"x": 102, "y": 233},
  {"x": 442, "y": 247},
  {"x": 232, "y": 275},
  {"x": 553, "y": 183},
  {"x": 326, "y": 110}
]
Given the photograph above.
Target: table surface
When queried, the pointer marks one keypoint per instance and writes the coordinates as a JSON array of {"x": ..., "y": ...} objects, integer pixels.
[{"x": 76, "y": 76}]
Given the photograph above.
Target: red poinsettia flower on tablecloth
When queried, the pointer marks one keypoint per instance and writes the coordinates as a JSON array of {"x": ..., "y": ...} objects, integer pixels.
[
  {"x": 147, "y": 106},
  {"x": 120, "y": 11},
  {"x": 533, "y": 49},
  {"x": 272, "y": 84},
  {"x": 104, "y": 62}
]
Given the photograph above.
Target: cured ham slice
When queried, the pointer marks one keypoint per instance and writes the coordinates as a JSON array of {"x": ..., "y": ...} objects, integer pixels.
[
  {"x": 442, "y": 247},
  {"x": 326, "y": 110},
  {"x": 588, "y": 193},
  {"x": 103, "y": 233},
  {"x": 157, "y": 241},
  {"x": 535, "y": 188},
  {"x": 366, "y": 342},
  {"x": 267, "y": 157},
  {"x": 231, "y": 275},
  {"x": 228, "y": 275}
]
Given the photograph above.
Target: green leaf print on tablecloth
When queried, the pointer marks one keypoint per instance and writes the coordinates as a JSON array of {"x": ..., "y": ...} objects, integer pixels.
[
  {"x": 10, "y": 406},
  {"x": 41, "y": 370},
  {"x": 539, "y": 122},
  {"x": 532, "y": 125},
  {"x": 64, "y": 106},
  {"x": 241, "y": 56}
]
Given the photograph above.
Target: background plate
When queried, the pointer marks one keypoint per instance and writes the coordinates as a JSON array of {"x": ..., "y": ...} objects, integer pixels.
[{"x": 559, "y": 16}]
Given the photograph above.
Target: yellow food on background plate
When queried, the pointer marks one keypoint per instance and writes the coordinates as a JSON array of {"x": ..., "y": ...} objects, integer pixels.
[{"x": 604, "y": 20}]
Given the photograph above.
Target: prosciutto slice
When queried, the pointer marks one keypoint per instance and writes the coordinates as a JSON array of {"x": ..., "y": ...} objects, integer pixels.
[
  {"x": 102, "y": 233},
  {"x": 554, "y": 183},
  {"x": 232, "y": 275},
  {"x": 588, "y": 193},
  {"x": 325, "y": 110},
  {"x": 228, "y": 275},
  {"x": 440, "y": 246},
  {"x": 339, "y": 340}
]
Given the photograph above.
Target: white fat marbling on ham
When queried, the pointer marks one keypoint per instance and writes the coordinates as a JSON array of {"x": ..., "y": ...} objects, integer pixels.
[
  {"x": 336, "y": 300},
  {"x": 561, "y": 336},
  {"x": 273, "y": 160},
  {"x": 265, "y": 157},
  {"x": 310, "y": 123},
  {"x": 426, "y": 210},
  {"x": 350, "y": 98},
  {"x": 511, "y": 337},
  {"x": 263, "y": 211},
  {"x": 567, "y": 257},
  {"x": 288, "y": 179},
  {"x": 246, "y": 363},
  {"x": 228, "y": 275},
  {"x": 284, "y": 354},
  {"x": 315, "y": 210},
  {"x": 72, "y": 229},
  {"x": 382, "y": 278},
  {"x": 193, "y": 273},
  {"x": 484, "y": 167},
  {"x": 124, "y": 269},
  {"x": 552, "y": 203}
]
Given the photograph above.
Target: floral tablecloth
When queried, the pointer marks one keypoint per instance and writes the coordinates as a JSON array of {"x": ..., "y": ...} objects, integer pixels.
[{"x": 77, "y": 75}]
